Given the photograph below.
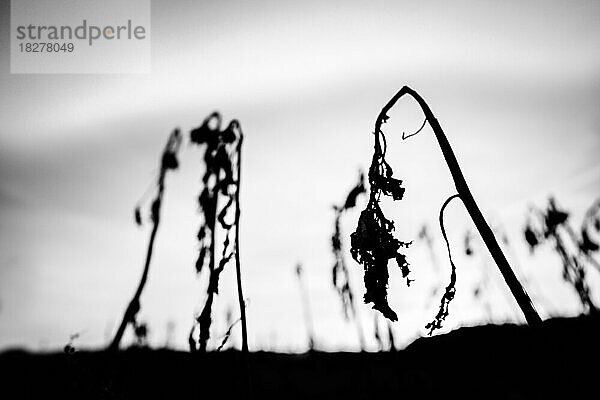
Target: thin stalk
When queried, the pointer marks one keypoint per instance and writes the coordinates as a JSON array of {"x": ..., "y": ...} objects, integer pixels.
[
  {"x": 359, "y": 329},
  {"x": 519, "y": 293},
  {"x": 238, "y": 269},
  {"x": 306, "y": 309},
  {"x": 205, "y": 316},
  {"x": 134, "y": 304}
]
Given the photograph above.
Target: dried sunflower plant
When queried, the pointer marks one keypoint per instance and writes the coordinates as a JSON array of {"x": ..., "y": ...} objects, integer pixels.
[
  {"x": 373, "y": 243},
  {"x": 218, "y": 200},
  {"x": 168, "y": 162}
]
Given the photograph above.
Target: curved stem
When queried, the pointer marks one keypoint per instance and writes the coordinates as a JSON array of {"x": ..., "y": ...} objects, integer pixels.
[
  {"x": 463, "y": 190},
  {"x": 451, "y": 288},
  {"x": 443, "y": 229}
]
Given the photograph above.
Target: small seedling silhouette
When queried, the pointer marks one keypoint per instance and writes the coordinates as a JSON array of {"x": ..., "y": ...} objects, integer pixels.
[
  {"x": 221, "y": 180},
  {"x": 306, "y": 307},
  {"x": 141, "y": 334},
  {"x": 192, "y": 341},
  {"x": 552, "y": 225},
  {"x": 426, "y": 237},
  {"x": 169, "y": 334},
  {"x": 340, "y": 272},
  {"x": 377, "y": 332},
  {"x": 168, "y": 162},
  {"x": 391, "y": 340},
  {"x": 373, "y": 243},
  {"x": 70, "y": 347}
]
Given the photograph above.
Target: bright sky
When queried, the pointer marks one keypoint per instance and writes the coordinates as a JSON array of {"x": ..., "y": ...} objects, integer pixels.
[{"x": 515, "y": 86}]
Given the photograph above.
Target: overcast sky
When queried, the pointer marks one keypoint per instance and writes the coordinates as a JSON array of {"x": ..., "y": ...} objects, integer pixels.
[{"x": 514, "y": 84}]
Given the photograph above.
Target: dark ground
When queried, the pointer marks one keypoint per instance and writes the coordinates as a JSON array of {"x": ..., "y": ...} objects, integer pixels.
[{"x": 557, "y": 359}]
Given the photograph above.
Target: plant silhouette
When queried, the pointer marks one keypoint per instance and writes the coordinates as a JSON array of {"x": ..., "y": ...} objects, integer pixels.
[
  {"x": 450, "y": 291},
  {"x": 168, "y": 162},
  {"x": 340, "y": 272},
  {"x": 426, "y": 237},
  {"x": 141, "y": 334},
  {"x": 70, "y": 347},
  {"x": 306, "y": 307},
  {"x": 552, "y": 224},
  {"x": 221, "y": 180},
  {"x": 373, "y": 244}
]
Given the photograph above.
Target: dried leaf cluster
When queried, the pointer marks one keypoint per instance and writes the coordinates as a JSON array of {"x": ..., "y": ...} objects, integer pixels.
[{"x": 373, "y": 243}]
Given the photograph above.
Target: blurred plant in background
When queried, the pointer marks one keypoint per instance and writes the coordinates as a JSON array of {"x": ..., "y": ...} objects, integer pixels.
[
  {"x": 221, "y": 180},
  {"x": 168, "y": 162},
  {"x": 340, "y": 273},
  {"x": 308, "y": 321},
  {"x": 574, "y": 250}
]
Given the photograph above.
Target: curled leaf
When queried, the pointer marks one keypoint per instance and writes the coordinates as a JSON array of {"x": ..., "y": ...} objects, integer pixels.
[{"x": 391, "y": 187}]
